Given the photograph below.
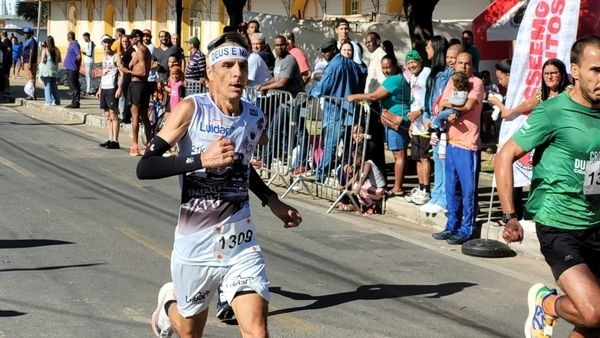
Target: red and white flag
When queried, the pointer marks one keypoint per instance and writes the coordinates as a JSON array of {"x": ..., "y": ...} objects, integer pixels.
[{"x": 548, "y": 30}]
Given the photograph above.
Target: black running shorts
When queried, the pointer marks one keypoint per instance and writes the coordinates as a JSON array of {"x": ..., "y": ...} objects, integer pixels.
[
  {"x": 419, "y": 147},
  {"x": 564, "y": 249},
  {"x": 139, "y": 94},
  {"x": 108, "y": 100}
]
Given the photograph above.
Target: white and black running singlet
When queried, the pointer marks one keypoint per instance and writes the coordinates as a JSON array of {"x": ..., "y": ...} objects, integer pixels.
[{"x": 214, "y": 223}]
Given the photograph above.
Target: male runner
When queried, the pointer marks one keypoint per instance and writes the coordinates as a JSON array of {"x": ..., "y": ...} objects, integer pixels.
[
  {"x": 564, "y": 197},
  {"x": 215, "y": 239}
]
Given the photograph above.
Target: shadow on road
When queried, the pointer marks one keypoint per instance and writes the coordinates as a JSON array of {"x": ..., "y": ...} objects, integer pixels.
[
  {"x": 56, "y": 267},
  {"x": 368, "y": 292},
  {"x": 11, "y": 313},
  {"x": 29, "y": 243},
  {"x": 42, "y": 124}
]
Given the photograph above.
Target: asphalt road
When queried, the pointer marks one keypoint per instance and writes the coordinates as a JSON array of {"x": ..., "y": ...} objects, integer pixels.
[{"x": 84, "y": 248}]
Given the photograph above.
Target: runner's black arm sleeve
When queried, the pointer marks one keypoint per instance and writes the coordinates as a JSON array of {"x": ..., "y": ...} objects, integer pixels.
[
  {"x": 153, "y": 165},
  {"x": 259, "y": 188}
]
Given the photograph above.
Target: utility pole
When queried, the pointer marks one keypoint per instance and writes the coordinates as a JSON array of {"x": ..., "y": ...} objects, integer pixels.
[{"x": 39, "y": 20}]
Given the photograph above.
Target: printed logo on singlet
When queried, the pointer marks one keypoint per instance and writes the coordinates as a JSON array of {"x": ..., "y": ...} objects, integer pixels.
[{"x": 215, "y": 127}]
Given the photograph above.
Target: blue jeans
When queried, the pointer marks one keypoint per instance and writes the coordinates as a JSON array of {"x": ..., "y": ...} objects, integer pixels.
[
  {"x": 332, "y": 134},
  {"x": 278, "y": 132},
  {"x": 438, "y": 193},
  {"x": 462, "y": 171},
  {"x": 50, "y": 90},
  {"x": 440, "y": 120}
]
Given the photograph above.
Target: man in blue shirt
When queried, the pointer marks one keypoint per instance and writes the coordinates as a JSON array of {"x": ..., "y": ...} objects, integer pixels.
[
  {"x": 72, "y": 62},
  {"x": 30, "y": 54}
]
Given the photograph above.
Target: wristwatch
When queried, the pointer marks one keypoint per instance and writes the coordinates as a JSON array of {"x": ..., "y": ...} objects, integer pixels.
[{"x": 508, "y": 217}]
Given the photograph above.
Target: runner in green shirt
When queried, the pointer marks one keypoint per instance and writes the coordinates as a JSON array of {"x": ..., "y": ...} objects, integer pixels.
[
  {"x": 566, "y": 137},
  {"x": 564, "y": 198}
]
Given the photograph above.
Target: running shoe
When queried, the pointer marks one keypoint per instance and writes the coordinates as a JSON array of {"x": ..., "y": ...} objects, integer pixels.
[
  {"x": 431, "y": 208},
  {"x": 539, "y": 324},
  {"x": 421, "y": 197},
  {"x": 113, "y": 145},
  {"x": 104, "y": 144},
  {"x": 225, "y": 311},
  {"x": 413, "y": 193},
  {"x": 160, "y": 322},
  {"x": 442, "y": 235}
]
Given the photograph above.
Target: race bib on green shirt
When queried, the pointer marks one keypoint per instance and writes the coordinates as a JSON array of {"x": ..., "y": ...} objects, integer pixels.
[{"x": 591, "y": 183}]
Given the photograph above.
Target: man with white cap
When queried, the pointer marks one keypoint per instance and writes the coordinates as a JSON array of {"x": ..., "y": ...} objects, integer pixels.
[{"x": 215, "y": 239}]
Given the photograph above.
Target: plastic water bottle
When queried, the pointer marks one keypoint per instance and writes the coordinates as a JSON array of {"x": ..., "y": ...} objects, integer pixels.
[
  {"x": 442, "y": 147},
  {"x": 496, "y": 109},
  {"x": 495, "y": 113}
]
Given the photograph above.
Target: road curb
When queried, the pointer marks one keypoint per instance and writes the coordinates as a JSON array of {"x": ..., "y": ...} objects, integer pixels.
[
  {"x": 399, "y": 208},
  {"x": 72, "y": 114}
]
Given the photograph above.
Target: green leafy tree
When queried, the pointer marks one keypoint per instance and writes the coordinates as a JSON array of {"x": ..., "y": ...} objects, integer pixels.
[
  {"x": 29, "y": 11},
  {"x": 419, "y": 16}
]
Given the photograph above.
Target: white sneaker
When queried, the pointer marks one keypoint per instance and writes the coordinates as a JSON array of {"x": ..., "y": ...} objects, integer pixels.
[
  {"x": 408, "y": 197},
  {"x": 431, "y": 208},
  {"x": 160, "y": 322},
  {"x": 421, "y": 197}
]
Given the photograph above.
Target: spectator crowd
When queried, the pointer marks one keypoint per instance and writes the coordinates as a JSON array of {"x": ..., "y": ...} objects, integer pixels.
[{"x": 432, "y": 106}]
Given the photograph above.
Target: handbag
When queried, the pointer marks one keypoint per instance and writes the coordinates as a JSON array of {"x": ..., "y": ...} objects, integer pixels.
[{"x": 390, "y": 120}]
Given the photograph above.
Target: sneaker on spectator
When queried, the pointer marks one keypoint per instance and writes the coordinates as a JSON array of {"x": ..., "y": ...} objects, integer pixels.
[
  {"x": 161, "y": 324},
  {"x": 113, "y": 145},
  {"x": 104, "y": 144},
  {"x": 408, "y": 197},
  {"x": 421, "y": 197},
  {"x": 442, "y": 235},
  {"x": 457, "y": 239},
  {"x": 539, "y": 324},
  {"x": 432, "y": 208}
]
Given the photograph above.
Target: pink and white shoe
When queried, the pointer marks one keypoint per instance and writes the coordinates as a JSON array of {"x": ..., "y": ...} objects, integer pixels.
[{"x": 160, "y": 322}]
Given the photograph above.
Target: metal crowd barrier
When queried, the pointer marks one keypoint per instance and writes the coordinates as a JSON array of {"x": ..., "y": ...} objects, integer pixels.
[
  {"x": 194, "y": 87},
  {"x": 310, "y": 140},
  {"x": 273, "y": 157},
  {"x": 322, "y": 143}
]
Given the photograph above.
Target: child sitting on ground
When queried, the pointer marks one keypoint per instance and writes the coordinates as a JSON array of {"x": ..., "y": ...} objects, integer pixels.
[
  {"x": 458, "y": 98},
  {"x": 368, "y": 188}
]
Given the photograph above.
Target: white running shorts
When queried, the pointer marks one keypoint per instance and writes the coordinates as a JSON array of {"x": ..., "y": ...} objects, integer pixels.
[{"x": 195, "y": 285}]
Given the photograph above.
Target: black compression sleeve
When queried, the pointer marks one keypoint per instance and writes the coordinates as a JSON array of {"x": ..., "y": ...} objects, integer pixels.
[
  {"x": 259, "y": 188},
  {"x": 153, "y": 165}
]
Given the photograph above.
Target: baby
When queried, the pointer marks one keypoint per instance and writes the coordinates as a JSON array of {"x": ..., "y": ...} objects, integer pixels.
[{"x": 457, "y": 98}]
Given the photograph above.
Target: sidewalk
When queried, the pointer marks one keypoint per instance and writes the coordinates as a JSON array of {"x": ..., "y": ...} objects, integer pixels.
[{"x": 90, "y": 114}]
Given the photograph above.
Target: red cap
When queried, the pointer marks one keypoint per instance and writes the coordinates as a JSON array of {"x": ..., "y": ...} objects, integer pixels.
[{"x": 147, "y": 32}]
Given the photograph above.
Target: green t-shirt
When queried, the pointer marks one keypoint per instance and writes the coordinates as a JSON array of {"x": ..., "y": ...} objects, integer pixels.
[
  {"x": 398, "y": 100},
  {"x": 566, "y": 138}
]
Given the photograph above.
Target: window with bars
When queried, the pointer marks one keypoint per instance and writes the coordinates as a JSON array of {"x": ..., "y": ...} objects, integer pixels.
[{"x": 354, "y": 7}]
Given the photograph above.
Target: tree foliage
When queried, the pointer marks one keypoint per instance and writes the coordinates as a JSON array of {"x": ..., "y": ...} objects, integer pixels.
[
  {"x": 235, "y": 10},
  {"x": 419, "y": 16},
  {"x": 29, "y": 11}
]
